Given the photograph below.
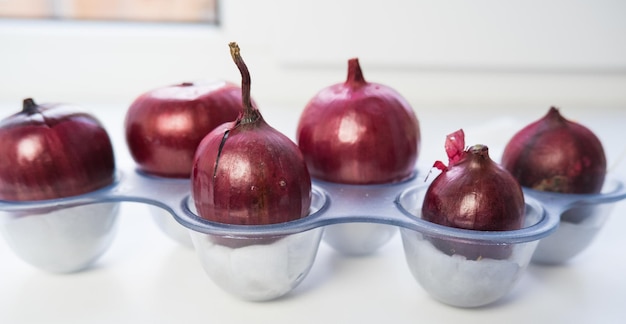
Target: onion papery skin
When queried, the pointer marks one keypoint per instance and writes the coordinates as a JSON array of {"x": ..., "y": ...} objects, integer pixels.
[
  {"x": 164, "y": 126},
  {"x": 474, "y": 193},
  {"x": 557, "y": 155},
  {"x": 359, "y": 132},
  {"x": 53, "y": 151},
  {"x": 250, "y": 174}
]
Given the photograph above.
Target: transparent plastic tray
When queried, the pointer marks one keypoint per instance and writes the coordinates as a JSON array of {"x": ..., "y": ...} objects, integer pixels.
[{"x": 267, "y": 261}]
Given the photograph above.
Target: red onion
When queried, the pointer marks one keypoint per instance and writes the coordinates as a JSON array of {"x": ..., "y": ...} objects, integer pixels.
[
  {"x": 474, "y": 193},
  {"x": 53, "y": 151},
  {"x": 558, "y": 155},
  {"x": 245, "y": 172},
  {"x": 358, "y": 132},
  {"x": 164, "y": 126}
]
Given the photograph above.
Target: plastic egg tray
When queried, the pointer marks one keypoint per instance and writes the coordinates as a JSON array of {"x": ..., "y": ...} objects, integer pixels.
[{"x": 267, "y": 261}]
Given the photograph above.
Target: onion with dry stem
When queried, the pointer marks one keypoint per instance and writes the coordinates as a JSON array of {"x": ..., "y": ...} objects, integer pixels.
[{"x": 246, "y": 172}]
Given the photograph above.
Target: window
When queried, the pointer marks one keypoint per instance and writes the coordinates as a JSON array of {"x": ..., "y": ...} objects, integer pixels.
[{"x": 179, "y": 11}]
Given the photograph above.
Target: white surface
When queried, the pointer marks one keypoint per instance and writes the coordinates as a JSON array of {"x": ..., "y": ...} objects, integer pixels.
[
  {"x": 450, "y": 52},
  {"x": 492, "y": 34},
  {"x": 147, "y": 278}
]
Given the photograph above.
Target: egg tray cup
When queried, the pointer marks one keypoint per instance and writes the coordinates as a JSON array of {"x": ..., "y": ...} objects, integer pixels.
[{"x": 458, "y": 267}]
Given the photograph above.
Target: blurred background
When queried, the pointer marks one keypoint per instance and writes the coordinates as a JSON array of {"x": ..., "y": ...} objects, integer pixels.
[{"x": 438, "y": 54}]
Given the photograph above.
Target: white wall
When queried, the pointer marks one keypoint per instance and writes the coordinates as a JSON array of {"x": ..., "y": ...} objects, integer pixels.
[{"x": 485, "y": 53}]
